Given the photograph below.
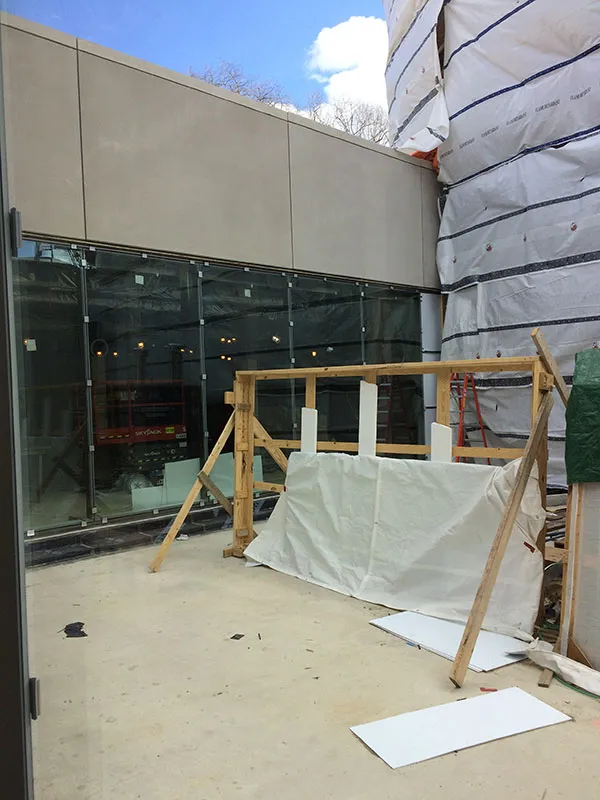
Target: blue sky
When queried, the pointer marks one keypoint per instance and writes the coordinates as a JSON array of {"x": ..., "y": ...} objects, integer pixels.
[{"x": 269, "y": 39}]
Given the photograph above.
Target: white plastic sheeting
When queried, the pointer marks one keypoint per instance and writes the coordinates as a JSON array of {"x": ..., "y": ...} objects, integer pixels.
[
  {"x": 519, "y": 241},
  {"x": 542, "y": 654},
  {"x": 417, "y": 109},
  {"x": 410, "y": 535}
]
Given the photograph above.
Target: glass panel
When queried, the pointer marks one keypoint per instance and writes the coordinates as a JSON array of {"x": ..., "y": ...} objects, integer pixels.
[
  {"x": 146, "y": 397},
  {"x": 49, "y": 321},
  {"x": 327, "y": 332},
  {"x": 246, "y": 326},
  {"x": 393, "y": 334}
]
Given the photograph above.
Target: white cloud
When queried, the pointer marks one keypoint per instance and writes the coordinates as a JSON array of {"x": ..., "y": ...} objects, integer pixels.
[{"x": 349, "y": 59}]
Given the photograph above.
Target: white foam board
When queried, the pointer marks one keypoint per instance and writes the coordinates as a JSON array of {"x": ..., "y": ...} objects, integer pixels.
[
  {"x": 443, "y": 637},
  {"x": 308, "y": 430},
  {"x": 367, "y": 420},
  {"x": 441, "y": 443},
  {"x": 431, "y": 732}
]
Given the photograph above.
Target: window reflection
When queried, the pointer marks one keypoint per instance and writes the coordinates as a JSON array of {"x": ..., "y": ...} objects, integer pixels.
[
  {"x": 125, "y": 358},
  {"x": 52, "y": 404}
]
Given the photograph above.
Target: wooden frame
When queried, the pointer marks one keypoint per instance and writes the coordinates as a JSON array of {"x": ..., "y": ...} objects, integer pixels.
[{"x": 249, "y": 433}]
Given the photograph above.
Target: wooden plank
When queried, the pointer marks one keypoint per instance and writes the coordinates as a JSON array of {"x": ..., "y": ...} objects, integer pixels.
[
  {"x": 370, "y": 376},
  {"x": 512, "y": 364},
  {"x": 492, "y": 567},
  {"x": 192, "y": 495},
  {"x": 545, "y": 678},
  {"x": 273, "y": 448},
  {"x": 349, "y": 447},
  {"x": 550, "y": 363},
  {"x": 442, "y": 415},
  {"x": 555, "y": 554},
  {"x": 243, "y": 506},
  {"x": 189, "y": 501},
  {"x": 263, "y": 486},
  {"x": 216, "y": 492},
  {"x": 489, "y": 452},
  {"x": 310, "y": 399},
  {"x": 573, "y": 521},
  {"x": 576, "y": 653},
  {"x": 219, "y": 444},
  {"x": 229, "y": 398},
  {"x": 397, "y": 449},
  {"x": 537, "y": 395}
]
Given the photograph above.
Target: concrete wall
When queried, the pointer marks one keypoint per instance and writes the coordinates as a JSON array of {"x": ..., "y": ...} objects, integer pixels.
[{"x": 110, "y": 149}]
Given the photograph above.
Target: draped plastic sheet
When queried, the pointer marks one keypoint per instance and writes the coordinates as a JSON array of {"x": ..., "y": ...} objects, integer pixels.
[
  {"x": 519, "y": 241},
  {"x": 410, "y": 535}
]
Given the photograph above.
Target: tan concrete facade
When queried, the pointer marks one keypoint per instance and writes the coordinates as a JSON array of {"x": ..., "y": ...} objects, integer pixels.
[{"x": 107, "y": 148}]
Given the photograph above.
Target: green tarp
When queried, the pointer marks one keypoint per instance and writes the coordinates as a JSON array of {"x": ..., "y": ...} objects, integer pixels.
[{"x": 582, "y": 452}]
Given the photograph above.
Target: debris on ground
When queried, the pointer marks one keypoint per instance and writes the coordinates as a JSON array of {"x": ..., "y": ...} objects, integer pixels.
[{"x": 74, "y": 630}]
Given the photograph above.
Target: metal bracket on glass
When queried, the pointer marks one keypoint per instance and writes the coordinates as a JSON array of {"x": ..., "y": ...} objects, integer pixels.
[
  {"x": 30, "y": 533},
  {"x": 91, "y": 448},
  {"x": 144, "y": 255},
  {"x": 86, "y": 319},
  {"x": 34, "y": 698}
]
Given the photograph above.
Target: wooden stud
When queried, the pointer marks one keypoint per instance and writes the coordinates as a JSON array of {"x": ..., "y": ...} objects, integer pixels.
[
  {"x": 555, "y": 554},
  {"x": 310, "y": 399},
  {"x": 189, "y": 501},
  {"x": 402, "y": 449},
  {"x": 492, "y": 567},
  {"x": 507, "y": 453},
  {"x": 219, "y": 444},
  {"x": 443, "y": 398},
  {"x": 243, "y": 505},
  {"x": 216, "y": 492},
  {"x": 550, "y": 364},
  {"x": 576, "y": 653},
  {"x": 229, "y": 398},
  {"x": 511, "y": 364},
  {"x": 271, "y": 445},
  {"x": 262, "y": 486},
  {"x": 370, "y": 376},
  {"x": 537, "y": 395}
]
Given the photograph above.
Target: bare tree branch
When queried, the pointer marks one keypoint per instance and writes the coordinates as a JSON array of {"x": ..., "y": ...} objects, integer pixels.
[
  {"x": 231, "y": 76},
  {"x": 356, "y": 117}
]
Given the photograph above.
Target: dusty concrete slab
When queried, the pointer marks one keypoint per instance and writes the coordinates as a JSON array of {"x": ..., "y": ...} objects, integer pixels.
[{"x": 160, "y": 702}]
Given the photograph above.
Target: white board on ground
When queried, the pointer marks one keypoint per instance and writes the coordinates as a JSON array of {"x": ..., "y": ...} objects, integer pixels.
[
  {"x": 443, "y": 637},
  {"x": 441, "y": 443},
  {"x": 431, "y": 732},
  {"x": 308, "y": 430},
  {"x": 367, "y": 419}
]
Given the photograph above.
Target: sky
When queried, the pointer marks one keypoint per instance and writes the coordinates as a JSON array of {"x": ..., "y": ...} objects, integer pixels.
[{"x": 337, "y": 46}]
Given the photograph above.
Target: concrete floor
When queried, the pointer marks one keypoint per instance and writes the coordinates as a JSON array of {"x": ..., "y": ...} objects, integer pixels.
[{"x": 160, "y": 703}]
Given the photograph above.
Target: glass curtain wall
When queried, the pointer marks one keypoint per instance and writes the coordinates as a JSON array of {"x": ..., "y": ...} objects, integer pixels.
[{"x": 124, "y": 359}]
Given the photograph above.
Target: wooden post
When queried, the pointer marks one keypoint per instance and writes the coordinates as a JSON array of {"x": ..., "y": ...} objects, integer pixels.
[
  {"x": 492, "y": 567},
  {"x": 310, "y": 398},
  {"x": 443, "y": 397},
  {"x": 243, "y": 505}
]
